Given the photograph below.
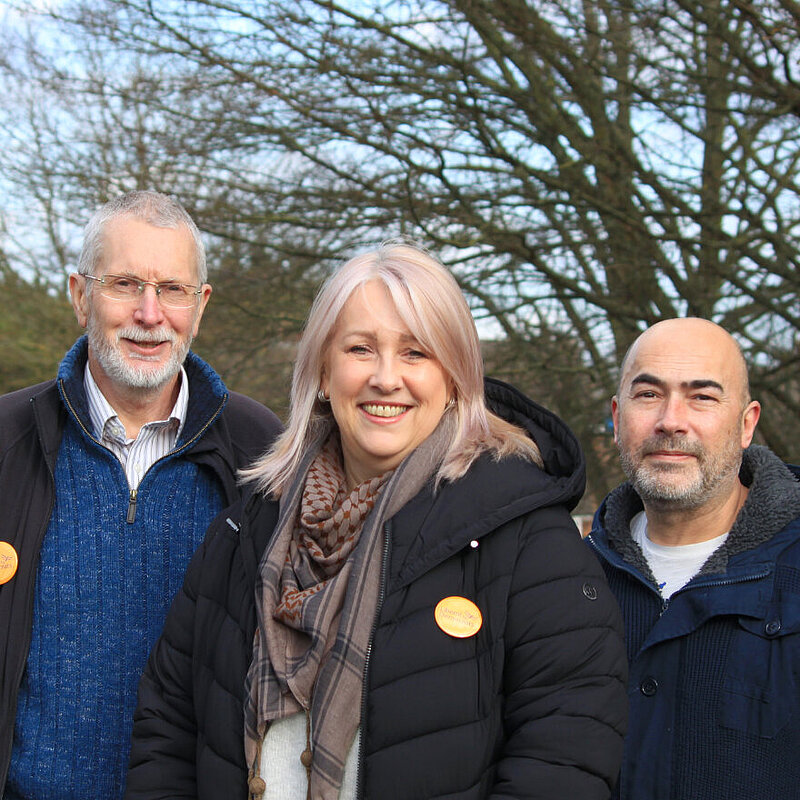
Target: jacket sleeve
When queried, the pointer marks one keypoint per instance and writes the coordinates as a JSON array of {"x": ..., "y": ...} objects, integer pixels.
[
  {"x": 566, "y": 670},
  {"x": 164, "y": 742}
]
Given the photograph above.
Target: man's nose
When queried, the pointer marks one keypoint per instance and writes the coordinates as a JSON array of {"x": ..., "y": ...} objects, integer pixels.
[
  {"x": 673, "y": 417},
  {"x": 149, "y": 310}
]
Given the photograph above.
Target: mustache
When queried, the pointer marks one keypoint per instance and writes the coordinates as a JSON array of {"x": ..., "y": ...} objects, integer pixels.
[
  {"x": 147, "y": 336},
  {"x": 676, "y": 444}
]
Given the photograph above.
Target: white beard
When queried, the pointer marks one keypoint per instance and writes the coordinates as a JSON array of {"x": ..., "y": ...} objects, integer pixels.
[{"x": 120, "y": 368}]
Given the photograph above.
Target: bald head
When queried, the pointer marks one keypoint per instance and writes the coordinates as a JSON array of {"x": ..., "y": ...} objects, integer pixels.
[{"x": 691, "y": 338}]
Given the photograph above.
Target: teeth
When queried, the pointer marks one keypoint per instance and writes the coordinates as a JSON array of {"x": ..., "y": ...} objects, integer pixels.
[{"x": 383, "y": 411}]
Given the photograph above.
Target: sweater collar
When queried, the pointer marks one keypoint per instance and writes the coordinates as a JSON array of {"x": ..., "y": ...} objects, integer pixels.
[{"x": 207, "y": 392}]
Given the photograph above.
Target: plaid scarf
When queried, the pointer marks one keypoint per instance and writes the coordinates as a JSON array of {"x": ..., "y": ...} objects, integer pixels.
[{"x": 316, "y": 597}]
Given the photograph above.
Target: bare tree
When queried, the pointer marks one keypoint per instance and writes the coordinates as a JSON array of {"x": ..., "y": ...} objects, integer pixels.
[{"x": 585, "y": 168}]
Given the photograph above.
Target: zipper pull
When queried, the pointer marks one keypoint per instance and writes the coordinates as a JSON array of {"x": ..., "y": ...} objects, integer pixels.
[{"x": 132, "y": 507}]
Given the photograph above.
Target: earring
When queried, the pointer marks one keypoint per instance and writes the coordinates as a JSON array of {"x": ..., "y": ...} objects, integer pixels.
[
  {"x": 321, "y": 396},
  {"x": 450, "y": 403}
]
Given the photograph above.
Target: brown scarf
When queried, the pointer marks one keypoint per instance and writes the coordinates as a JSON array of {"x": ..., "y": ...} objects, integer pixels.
[{"x": 316, "y": 597}]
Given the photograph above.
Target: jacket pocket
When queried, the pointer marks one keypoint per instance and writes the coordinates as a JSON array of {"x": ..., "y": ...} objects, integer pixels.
[{"x": 759, "y": 692}]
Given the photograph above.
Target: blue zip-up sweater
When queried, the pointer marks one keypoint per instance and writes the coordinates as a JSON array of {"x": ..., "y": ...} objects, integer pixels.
[
  {"x": 45, "y": 441},
  {"x": 714, "y": 685}
]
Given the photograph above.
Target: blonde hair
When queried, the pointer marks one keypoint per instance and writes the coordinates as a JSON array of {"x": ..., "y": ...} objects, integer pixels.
[{"x": 430, "y": 303}]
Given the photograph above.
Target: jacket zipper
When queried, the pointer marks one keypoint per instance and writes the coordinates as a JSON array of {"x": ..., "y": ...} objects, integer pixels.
[
  {"x": 130, "y": 517},
  {"x": 665, "y": 601},
  {"x": 754, "y": 576},
  {"x": 381, "y": 596}
]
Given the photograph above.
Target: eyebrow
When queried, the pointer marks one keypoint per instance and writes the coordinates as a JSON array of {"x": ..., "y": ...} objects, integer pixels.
[
  {"x": 359, "y": 334},
  {"x": 698, "y": 383},
  {"x": 134, "y": 277}
]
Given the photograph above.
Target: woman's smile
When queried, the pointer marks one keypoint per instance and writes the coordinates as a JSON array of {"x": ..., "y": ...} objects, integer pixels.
[{"x": 384, "y": 411}]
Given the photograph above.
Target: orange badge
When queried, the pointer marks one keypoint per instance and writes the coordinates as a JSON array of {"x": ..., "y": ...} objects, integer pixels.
[
  {"x": 8, "y": 562},
  {"x": 458, "y": 617}
]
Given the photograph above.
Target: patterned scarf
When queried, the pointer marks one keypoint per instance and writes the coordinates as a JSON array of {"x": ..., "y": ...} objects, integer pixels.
[{"x": 316, "y": 597}]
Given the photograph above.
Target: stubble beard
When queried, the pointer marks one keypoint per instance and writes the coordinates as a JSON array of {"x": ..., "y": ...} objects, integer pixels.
[
  {"x": 122, "y": 371},
  {"x": 666, "y": 486}
]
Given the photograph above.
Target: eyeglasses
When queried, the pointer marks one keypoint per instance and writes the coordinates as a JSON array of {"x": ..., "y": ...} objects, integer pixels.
[{"x": 126, "y": 287}]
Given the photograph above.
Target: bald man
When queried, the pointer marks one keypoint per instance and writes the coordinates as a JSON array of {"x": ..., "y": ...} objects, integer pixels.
[{"x": 701, "y": 546}]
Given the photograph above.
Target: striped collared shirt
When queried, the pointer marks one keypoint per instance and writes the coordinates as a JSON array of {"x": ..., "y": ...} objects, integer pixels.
[{"x": 155, "y": 439}]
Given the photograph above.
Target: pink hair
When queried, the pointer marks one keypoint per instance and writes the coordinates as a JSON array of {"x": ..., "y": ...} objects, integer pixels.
[{"x": 429, "y": 301}]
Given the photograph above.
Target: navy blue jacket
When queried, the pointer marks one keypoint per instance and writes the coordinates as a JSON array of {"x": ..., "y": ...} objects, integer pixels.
[
  {"x": 714, "y": 684},
  {"x": 532, "y": 706}
]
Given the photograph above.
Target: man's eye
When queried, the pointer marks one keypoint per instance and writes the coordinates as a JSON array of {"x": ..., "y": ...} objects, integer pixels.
[
  {"x": 123, "y": 284},
  {"x": 172, "y": 288}
]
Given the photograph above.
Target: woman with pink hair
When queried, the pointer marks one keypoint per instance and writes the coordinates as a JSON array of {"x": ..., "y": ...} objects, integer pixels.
[{"x": 403, "y": 608}]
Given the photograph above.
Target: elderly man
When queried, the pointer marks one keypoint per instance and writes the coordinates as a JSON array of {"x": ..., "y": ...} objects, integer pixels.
[
  {"x": 109, "y": 476},
  {"x": 702, "y": 549}
]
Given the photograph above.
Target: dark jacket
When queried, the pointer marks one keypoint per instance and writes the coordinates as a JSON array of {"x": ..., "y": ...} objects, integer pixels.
[
  {"x": 532, "y": 706},
  {"x": 715, "y": 670},
  {"x": 228, "y": 436}
]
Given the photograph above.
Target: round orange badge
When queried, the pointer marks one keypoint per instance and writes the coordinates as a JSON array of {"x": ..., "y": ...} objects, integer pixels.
[
  {"x": 8, "y": 562},
  {"x": 458, "y": 617}
]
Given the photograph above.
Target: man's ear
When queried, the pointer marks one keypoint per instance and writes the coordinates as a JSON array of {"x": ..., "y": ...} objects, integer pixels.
[
  {"x": 750, "y": 418},
  {"x": 204, "y": 297},
  {"x": 615, "y": 417},
  {"x": 79, "y": 298}
]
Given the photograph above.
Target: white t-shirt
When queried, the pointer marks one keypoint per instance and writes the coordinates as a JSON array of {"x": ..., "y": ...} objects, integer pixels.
[{"x": 672, "y": 566}]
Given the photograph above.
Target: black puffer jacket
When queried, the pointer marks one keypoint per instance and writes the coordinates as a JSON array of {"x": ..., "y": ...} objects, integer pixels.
[{"x": 532, "y": 706}]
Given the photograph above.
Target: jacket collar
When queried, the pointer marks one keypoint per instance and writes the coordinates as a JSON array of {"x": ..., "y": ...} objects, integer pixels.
[
  {"x": 207, "y": 392},
  {"x": 434, "y": 525},
  {"x": 773, "y": 501}
]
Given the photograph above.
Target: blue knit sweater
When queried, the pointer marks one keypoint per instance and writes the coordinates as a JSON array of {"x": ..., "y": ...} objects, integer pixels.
[{"x": 103, "y": 589}]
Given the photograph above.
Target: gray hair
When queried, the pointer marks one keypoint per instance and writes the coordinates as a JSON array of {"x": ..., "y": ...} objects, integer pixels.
[{"x": 154, "y": 208}]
